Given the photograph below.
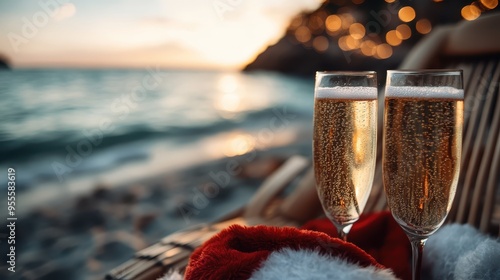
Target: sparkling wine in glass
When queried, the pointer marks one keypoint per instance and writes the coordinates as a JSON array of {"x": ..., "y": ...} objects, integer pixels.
[
  {"x": 422, "y": 149},
  {"x": 344, "y": 144}
]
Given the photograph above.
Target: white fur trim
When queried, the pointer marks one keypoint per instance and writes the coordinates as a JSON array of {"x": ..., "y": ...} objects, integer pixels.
[
  {"x": 308, "y": 264},
  {"x": 461, "y": 252},
  {"x": 172, "y": 275},
  {"x": 481, "y": 263}
]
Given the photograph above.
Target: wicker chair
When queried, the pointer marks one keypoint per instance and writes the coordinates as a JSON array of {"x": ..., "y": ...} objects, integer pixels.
[{"x": 471, "y": 46}]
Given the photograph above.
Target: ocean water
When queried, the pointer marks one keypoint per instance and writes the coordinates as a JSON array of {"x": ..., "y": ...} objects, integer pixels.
[{"x": 66, "y": 129}]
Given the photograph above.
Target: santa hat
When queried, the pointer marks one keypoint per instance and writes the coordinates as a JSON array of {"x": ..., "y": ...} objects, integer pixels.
[
  {"x": 379, "y": 250},
  {"x": 263, "y": 252}
]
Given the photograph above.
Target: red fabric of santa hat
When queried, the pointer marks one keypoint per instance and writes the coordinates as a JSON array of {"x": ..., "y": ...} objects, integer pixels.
[
  {"x": 264, "y": 252},
  {"x": 380, "y": 236}
]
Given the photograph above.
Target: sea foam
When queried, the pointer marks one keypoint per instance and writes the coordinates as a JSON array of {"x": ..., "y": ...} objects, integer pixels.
[
  {"x": 425, "y": 92},
  {"x": 347, "y": 93}
]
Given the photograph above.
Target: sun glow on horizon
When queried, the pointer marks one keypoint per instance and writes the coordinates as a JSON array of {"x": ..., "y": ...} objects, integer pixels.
[{"x": 231, "y": 99}]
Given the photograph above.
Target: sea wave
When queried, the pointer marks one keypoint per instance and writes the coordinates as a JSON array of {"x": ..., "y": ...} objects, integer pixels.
[
  {"x": 20, "y": 149},
  {"x": 48, "y": 116}
]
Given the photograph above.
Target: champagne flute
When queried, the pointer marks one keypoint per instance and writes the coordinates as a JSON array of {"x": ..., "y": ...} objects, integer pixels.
[
  {"x": 344, "y": 144},
  {"x": 422, "y": 150}
]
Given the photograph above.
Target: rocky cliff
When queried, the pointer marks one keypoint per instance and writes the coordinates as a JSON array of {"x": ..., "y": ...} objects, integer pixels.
[
  {"x": 354, "y": 35},
  {"x": 3, "y": 63}
]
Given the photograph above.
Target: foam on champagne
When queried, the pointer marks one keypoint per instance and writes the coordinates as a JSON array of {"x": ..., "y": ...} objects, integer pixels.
[
  {"x": 347, "y": 93},
  {"x": 424, "y": 92}
]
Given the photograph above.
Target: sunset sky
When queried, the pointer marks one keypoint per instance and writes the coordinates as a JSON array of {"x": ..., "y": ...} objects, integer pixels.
[{"x": 133, "y": 33}]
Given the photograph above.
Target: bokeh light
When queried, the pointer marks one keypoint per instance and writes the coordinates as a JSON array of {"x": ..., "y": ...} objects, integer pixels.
[
  {"x": 403, "y": 31},
  {"x": 384, "y": 51},
  {"x": 320, "y": 43},
  {"x": 392, "y": 38},
  {"x": 343, "y": 43},
  {"x": 406, "y": 14},
  {"x": 296, "y": 22},
  {"x": 490, "y": 4},
  {"x": 470, "y": 12},
  {"x": 333, "y": 23},
  {"x": 423, "y": 26},
  {"x": 347, "y": 20},
  {"x": 316, "y": 24},
  {"x": 368, "y": 48},
  {"x": 390, "y": 1},
  {"x": 302, "y": 34},
  {"x": 352, "y": 43},
  {"x": 357, "y": 30}
]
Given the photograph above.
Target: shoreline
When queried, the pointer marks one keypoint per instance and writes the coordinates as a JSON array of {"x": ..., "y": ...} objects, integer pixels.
[
  {"x": 89, "y": 233},
  {"x": 181, "y": 158}
]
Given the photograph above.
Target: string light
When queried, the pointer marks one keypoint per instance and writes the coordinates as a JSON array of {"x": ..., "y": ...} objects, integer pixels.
[
  {"x": 342, "y": 43},
  {"x": 384, "y": 51},
  {"x": 333, "y": 23},
  {"x": 403, "y": 32},
  {"x": 357, "y": 30},
  {"x": 316, "y": 23},
  {"x": 320, "y": 43},
  {"x": 296, "y": 22},
  {"x": 392, "y": 38},
  {"x": 470, "y": 12},
  {"x": 423, "y": 26},
  {"x": 490, "y": 4},
  {"x": 347, "y": 20},
  {"x": 368, "y": 48},
  {"x": 406, "y": 14},
  {"x": 352, "y": 43},
  {"x": 302, "y": 34}
]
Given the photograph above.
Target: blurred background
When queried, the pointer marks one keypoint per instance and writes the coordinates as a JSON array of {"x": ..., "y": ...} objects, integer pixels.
[{"x": 127, "y": 120}]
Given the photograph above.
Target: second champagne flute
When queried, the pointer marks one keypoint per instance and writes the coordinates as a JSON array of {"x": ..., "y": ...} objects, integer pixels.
[
  {"x": 422, "y": 150},
  {"x": 344, "y": 143}
]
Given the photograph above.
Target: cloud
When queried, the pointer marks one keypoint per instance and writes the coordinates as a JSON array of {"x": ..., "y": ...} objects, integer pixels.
[{"x": 63, "y": 12}]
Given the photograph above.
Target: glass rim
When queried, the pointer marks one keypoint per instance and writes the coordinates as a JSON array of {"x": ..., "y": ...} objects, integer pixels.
[
  {"x": 346, "y": 73},
  {"x": 426, "y": 71}
]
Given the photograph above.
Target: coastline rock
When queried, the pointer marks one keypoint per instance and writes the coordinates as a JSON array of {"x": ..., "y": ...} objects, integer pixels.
[
  {"x": 102, "y": 192},
  {"x": 4, "y": 62},
  {"x": 144, "y": 214},
  {"x": 84, "y": 220},
  {"x": 49, "y": 236},
  {"x": 65, "y": 245},
  {"x": 32, "y": 260},
  {"x": 51, "y": 270},
  {"x": 112, "y": 248}
]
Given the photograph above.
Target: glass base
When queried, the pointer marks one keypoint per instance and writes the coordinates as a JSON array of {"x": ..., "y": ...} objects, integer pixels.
[{"x": 416, "y": 231}]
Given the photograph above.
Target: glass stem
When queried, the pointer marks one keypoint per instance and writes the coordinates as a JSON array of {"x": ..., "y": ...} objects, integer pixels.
[
  {"x": 417, "y": 248},
  {"x": 342, "y": 234},
  {"x": 343, "y": 230}
]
